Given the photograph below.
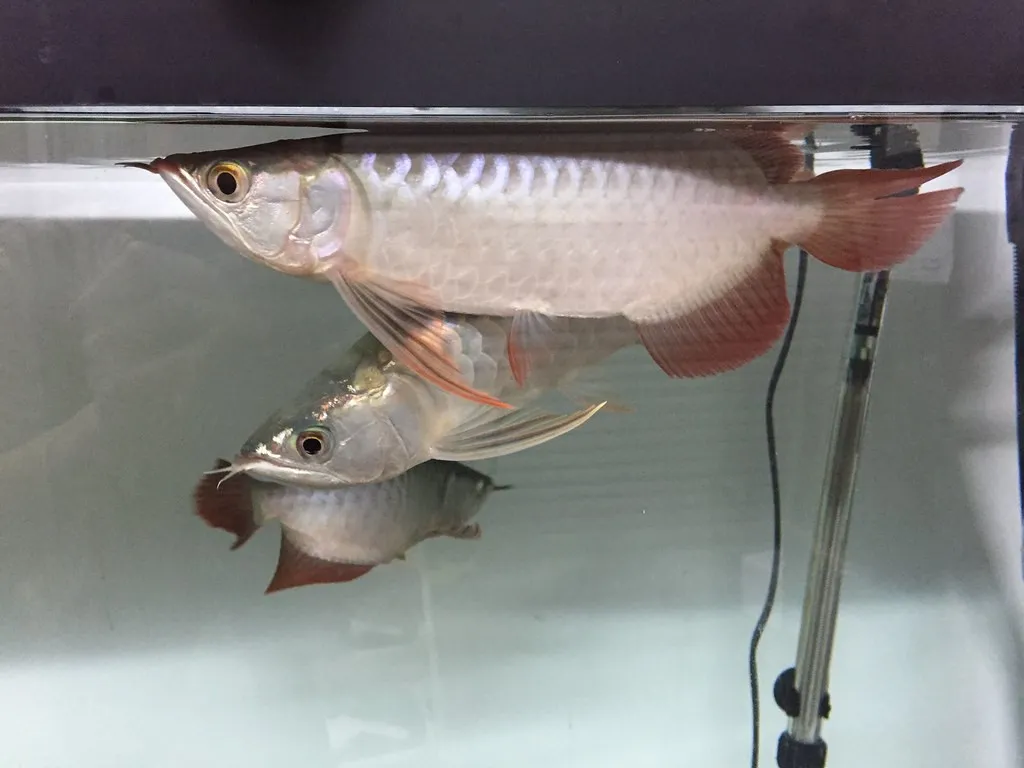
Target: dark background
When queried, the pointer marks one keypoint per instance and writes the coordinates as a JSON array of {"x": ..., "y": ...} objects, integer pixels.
[{"x": 511, "y": 53}]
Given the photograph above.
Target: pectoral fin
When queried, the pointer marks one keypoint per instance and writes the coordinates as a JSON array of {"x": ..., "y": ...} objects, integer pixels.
[
  {"x": 500, "y": 433},
  {"x": 417, "y": 336},
  {"x": 725, "y": 333},
  {"x": 295, "y": 568}
]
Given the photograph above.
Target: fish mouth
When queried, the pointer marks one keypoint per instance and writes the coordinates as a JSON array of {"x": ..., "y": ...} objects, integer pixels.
[
  {"x": 160, "y": 166},
  {"x": 187, "y": 189},
  {"x": 266, "y": 470}
]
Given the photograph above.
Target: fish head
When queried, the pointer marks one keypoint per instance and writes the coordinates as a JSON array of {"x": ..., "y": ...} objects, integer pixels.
[
  {"x": 293, "y": 212},
  {"x": 358, "y": 423},
  {"x": 319, "y": 451}
]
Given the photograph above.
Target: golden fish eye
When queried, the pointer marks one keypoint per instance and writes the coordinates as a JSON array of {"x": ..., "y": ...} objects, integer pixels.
[
  {"x": 228, "y": 181},
  {"x": 313, "y": 444}
]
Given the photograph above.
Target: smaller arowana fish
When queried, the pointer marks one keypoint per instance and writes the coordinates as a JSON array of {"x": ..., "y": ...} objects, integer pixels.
[
  {"x": 339, "y": 534},
  {"x": 682, "y": 234},
  {"x": 368, "y": 418}
]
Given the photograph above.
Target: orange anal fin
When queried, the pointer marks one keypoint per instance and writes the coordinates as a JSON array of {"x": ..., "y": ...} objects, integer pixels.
[
  {"x": 864, "y": 228},
  {"x": 414, "y": 334},
  {"x": 228, "y": 507},
  {"x": 295, "y": 568},
  {"x": 725, "y": 333}
]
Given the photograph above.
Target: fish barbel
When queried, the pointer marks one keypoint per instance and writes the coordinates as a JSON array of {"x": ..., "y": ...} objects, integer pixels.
[
  {"x": 333, "y": 535},
  {"x": 682, "y": 235},
  {"x": 367, "y": 418}
]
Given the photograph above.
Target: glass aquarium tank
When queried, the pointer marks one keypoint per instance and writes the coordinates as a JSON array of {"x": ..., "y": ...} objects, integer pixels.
[
  {"x": 604, "y": 615},
  {"x": 631, "y": 429}
]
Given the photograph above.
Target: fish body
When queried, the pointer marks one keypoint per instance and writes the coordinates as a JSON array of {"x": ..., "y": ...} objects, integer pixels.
[
  {"x": 340, "y": 534},
  {"x": 368, "y": 418},
  {"x": 684, "y": 241}
]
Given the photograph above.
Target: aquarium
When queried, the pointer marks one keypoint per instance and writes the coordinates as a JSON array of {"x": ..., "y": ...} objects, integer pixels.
[{"x": 603, "y": 616}]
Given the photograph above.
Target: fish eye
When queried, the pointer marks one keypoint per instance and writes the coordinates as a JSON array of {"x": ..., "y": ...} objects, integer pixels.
[
  {"x": 313, "y": 444},
  {"x": 228, "y": 182}
]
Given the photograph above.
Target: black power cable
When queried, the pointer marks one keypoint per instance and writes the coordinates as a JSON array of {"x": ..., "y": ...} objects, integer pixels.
[{"x": 773, "y": 465}]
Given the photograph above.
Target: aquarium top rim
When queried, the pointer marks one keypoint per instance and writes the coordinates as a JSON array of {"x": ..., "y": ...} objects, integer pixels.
[{"x": 324, "y": 115}]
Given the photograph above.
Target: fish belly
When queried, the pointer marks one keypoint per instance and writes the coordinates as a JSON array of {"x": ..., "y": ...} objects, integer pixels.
[{"x": 356, "y": 524}]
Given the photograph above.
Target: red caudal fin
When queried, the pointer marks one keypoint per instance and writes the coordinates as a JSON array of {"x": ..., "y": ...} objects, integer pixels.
[{"x": 865, "y": 229}]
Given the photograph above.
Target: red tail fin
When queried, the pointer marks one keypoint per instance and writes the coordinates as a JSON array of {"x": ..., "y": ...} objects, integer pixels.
[{"x": 864, "y": 229}]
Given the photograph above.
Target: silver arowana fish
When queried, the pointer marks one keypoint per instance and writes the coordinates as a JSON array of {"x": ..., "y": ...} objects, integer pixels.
[
  {"x": 682, "y": 234},
  {"x": 368, "y": 418},
  {"x": 333, "y": 535}
]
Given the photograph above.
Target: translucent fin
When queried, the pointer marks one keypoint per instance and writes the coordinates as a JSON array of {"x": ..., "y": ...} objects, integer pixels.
[
  {"x": 226, "y": 504},
  {"x": 297, "y": 569},
  {"x": 548, "y": 350},
  {"x": 415, "y": 335},
  {"x": 777, "y": 157},
  {"x": 589, "y": 386},
  {"x": 864, "y": 229},
  {"x": 468, "y": 532},
  {"x": 728, "y": 332},
  {"x": 501, "y": 433},
  {"x": 530, "y": 333}
]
